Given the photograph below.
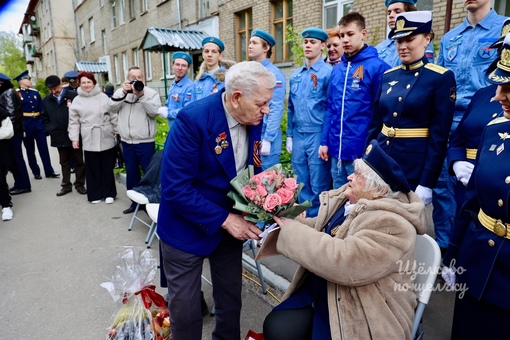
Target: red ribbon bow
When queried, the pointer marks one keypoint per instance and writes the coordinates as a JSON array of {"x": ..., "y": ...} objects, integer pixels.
[{"x": 149, "y": 295}]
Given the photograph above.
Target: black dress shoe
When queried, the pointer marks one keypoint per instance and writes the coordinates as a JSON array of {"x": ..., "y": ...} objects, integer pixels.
[
  {"x": 64, "y": 191},
  {"x": 19, "y": 191},
  {"x": 81, "y": 190},
  {"x": 53, "y": 175},
  {"x": 37, "y": 177},
  {"x": 129, "y": 210}
]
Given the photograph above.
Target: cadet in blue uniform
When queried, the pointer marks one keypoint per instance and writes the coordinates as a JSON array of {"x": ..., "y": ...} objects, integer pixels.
[
  {"x": 259, "y": 50},
  {"x": 181, "y": 92},
  {"x": 413, "y": 111},
  {"x": 306, "y": 111},
  {"x": 480, "y": 242},
  {"x": 387, "y": 49},
  {"x": 34, "y": 128},
  {"x": 211, "y": 76}
]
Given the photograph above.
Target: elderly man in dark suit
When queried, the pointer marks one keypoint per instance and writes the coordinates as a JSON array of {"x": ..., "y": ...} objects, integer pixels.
[{"x": 211, "y": 141}]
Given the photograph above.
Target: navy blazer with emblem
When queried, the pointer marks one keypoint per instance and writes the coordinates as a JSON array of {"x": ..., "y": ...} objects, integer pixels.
[{"x": 195, "y": 179}]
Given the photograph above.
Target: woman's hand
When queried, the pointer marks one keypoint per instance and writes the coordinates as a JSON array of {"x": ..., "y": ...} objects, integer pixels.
[
  {"x": 76, "y": 145},
  {"x": 282, "y": 221}
]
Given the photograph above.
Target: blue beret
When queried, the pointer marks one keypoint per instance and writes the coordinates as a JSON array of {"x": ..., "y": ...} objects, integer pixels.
[
  {"x": 411, "y": 23},
  {"x": 316, "y": 33},
  {"x": 499, "y": 71},
  {"x": 263, "y": 35},
  {"x": 71, "y": 75},
  {"x": 389, "y": 2},
  {"x": 4, "y": 77},
  {"x": 385, "y": 167},
  {"x": 182, "y": 55},
  {"x": 21, "y": 75},
  {"x": 214, "y": 40}
]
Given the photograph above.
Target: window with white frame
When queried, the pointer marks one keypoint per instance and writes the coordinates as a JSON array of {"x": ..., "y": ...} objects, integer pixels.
[
  {"x": 125, "y": 65},
  {"x": 105, "y": 45},
  {"x": 132, "y": 9},
  {"x": 91, "y": 30},
  {"x": 148, "y": 65},
  {"x": 122, "y": 12},
  {"x": 114, "y": 15},
  {"x": 203, "y": 8},
  {"x": 136, "y": 61},
  {"x": 101, "y": 3},
  {"x": 333, "y": 10},
  {"x": 144, "y": 5},
  {"x": 168, "y": 60},
  {"x": 117, "y": 69},
  {"x": 282, "y": 17},
  {"x": 82, "y": 36}
]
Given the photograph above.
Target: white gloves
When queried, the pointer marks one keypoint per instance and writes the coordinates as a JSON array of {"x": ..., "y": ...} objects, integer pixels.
[
  {"x": 265, "y": 150},
  {"x": 289, "y": 144},
  {"x": 163, "y": 112},
  {"x": 424, "y": 193},
  {"x": 463, "y": 171},
  {"x": 448, "y": 274}
]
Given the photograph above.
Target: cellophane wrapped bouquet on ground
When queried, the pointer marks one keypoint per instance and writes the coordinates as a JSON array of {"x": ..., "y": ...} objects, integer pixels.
[
  {"x": 273, "y": 192},
  {"x": 143, "y": 314}
]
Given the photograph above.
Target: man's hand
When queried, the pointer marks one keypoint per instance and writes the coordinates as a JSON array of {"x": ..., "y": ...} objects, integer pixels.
[
  {"x": 127, "y": 87},
  {"x": 76, "y": 145},
  {"x": 463, "y": 171},
  {"x": 289, "y": 144},
  {"x": 424, "y": 193},
  {"x": 448, "y": 274},
  {"x": 323, "y": 152},
  {"x": 241, "y": 229},
  {"x": 163, "y": 111},
  {"x": 265, "y": 150}
]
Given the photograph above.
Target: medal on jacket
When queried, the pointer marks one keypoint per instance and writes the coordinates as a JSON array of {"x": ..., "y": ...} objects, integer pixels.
[{"x": 221, "y": 143}]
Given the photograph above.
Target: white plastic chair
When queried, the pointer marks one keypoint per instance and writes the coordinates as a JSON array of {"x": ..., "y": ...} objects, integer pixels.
[
  {"x": 139, "y": 199},
  {"x": 428, "y": 261}
]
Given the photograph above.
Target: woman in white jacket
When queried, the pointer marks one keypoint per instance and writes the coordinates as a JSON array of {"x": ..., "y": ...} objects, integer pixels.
[{"x": 89, "y": 117}]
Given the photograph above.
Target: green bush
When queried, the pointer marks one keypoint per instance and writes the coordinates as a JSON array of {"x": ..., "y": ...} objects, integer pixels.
[{"x": 41, "y": 88}]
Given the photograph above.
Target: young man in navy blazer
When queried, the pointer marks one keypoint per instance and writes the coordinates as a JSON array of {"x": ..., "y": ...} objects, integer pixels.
[{"x": 211, "y": 141}]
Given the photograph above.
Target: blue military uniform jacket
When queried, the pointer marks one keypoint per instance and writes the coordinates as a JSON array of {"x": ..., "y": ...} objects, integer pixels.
[
  {"x": 208, "y": 84},
  {"x": 420, "y": 95},
  {"x": 195, "y": 178},
  {"x": 31, "y": 102},
  {"x": 180, "y": 94},
  {"x": 464, "y": 142},
  {"x": 271, "y": 127},
  {"x": 387, "y": 51},
  {"x": 479, "y": 253}
]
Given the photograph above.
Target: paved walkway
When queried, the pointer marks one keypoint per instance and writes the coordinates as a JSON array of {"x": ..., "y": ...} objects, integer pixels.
[{"x": 57, "y": 250}]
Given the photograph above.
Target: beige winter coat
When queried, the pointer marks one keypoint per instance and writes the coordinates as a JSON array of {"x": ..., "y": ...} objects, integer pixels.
[
  {"x": 88, "y": 115},
  {"x": 363, "y": 264}
]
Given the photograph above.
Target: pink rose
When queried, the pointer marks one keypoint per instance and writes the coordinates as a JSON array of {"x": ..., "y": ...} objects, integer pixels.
[
  {"x": 286, "y": 195},
  {"x": 261, "y": 190},
  {"x": 290, "y": 184},
  {"x": 257, "y": 179},
  {"x": 272, "y": 200},
  {"x": 248, "y": 192}
]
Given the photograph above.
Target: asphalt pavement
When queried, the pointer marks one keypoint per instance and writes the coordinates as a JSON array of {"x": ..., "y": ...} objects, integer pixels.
[{"x": 56, "y": 251}]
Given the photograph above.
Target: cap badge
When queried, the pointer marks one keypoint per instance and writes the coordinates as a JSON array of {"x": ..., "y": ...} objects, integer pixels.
[{"x": 400, "y": 24}]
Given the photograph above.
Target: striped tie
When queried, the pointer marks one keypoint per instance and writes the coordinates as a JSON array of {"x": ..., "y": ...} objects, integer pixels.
[{"x": 256, "y": 158}]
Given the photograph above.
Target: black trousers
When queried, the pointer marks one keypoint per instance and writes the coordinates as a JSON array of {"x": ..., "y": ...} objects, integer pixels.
[
  {"x": 5, "y": 196},
  {"x": 289, "y": 324},
  {"x": 66, "y": 155},
  {"x": 99, "y": 173},
  {"x": 183, "y": 271}
]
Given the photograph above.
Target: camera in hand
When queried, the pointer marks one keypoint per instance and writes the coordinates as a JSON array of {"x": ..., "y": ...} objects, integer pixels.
[{"x": 137, "y": 84}]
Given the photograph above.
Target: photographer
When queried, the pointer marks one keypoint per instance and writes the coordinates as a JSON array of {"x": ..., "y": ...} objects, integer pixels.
[{"x": 137, "y": 106}]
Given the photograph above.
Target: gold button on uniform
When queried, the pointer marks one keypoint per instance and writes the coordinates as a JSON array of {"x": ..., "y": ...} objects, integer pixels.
[
  {"x": 494, "y": 115},
  {"x": 491, "y": 243},
  {"x": 507, "y": 180},
  {"x": 408, "y": 86},
  {"x": 399, "y": 99},
  {"x": 416, "y": 74},
  {"x": 387, "y": 142},
  {"x": 500, "y": 202},
  {"x": 395, "y": 114}
]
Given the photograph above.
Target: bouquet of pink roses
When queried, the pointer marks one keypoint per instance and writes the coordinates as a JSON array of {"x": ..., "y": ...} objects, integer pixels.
[{"x": 273, "y": 192}]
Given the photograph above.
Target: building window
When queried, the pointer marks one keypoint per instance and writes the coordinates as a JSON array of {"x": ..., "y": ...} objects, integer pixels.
[
  {"x": 334, "y": 10},
  {"x": 148, "y": 65},
  {"x": 91, "y": 29},
  {"x": 101, "y": 3},
  {"x": 502, "y": 7},
  {"x": 125, "y": 64},
  {"x": 168, "y": 60},
  {"x": 122, "y": 12},
  {"x": 144, "y": 6},
  {"x": 136, "y": 61},
  {"x": 105, "y": 46},
  {"x": 117, "y": 69},
  {"x": 132, "y": 9},
  {"x": 114, "y": 15},
  {"x": 282, "y": 17},
  {"x": 244, "y": 26},
  {"x": 203, "y": 8},
  {"x": 82, "y": 36}
]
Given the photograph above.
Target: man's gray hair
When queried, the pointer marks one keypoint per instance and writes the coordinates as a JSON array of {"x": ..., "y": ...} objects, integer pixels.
[
  {"x": 374, "y": 184},
  {"x": 246, "y": 77}
]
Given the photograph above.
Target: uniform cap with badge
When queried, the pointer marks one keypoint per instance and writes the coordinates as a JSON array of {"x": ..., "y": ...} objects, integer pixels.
[
  {"x": 389, "y": 2},
  {"x": 214, "y": 40},
  {"x": 3, "y": 77},
  {"x": 411, "y": 23},
  {"x": 263, "y": 35},
  {"x": 182, "y": 55},
  {"x": 505, "y": 29},
  {"x": 499, "y": 71},
  {"x": 72, "y": 76},
  {"x": 315, "y": 33},
  {"x": 22, "y": 75}
]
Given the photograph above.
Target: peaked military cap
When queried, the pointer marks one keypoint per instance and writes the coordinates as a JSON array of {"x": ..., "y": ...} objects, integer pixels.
[
  {"x": 411, "y": 23},
  {"x": 22, "y": 75},
  {"x": 505, "y": 29},
  {"x": 499, "y": 71},
  {"x": 4, "y": 77}
]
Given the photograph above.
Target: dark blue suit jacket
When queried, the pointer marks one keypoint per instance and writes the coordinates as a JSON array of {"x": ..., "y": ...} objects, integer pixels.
[{"x": 195, "y": 179}]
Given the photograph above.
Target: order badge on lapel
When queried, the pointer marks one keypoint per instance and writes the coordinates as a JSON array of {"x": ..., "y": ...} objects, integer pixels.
[{"x": 221, "y": 143}]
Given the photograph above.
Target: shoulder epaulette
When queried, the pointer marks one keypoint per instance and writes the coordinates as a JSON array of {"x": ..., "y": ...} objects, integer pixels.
[
  {"x": 436, "y": 68},
  {"x": 498, "y": 121},
  {"x": 392, "y": 69}
]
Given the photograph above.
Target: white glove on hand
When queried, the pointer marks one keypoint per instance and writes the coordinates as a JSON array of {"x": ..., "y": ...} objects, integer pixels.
[
  {"x": 163, "y": 112},
  {"x": 265, "y": 150},
  {"x": 448, "y": 274},
  {"x": 289, "y": 144},
  {"x": 463, "y": 171},
  {"x": 424, "y": 193}
]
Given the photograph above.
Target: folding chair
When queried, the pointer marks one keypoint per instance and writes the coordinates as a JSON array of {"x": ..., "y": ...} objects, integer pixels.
[
  {"x": 139, "y": 199},
  {"x": 428, "y": 261},
  {"x": 251, "y": 245},
  {"x": 152, "y": 211}
]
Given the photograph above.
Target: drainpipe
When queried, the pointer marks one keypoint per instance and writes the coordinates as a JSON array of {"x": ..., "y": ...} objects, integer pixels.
[
  {"x": 448, "y": 16},
  {"x": 179, "y": 13},
  {"x": 164, "y": 70}
]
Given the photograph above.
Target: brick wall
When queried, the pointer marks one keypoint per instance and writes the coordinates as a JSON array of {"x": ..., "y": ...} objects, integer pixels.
[{"x": 374, "y": 12}]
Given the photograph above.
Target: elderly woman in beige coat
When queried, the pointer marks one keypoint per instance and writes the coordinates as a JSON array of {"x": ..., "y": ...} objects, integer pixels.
[
  {"x": 352, "y": 259},
  {"x": 91, "y": 124}
]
